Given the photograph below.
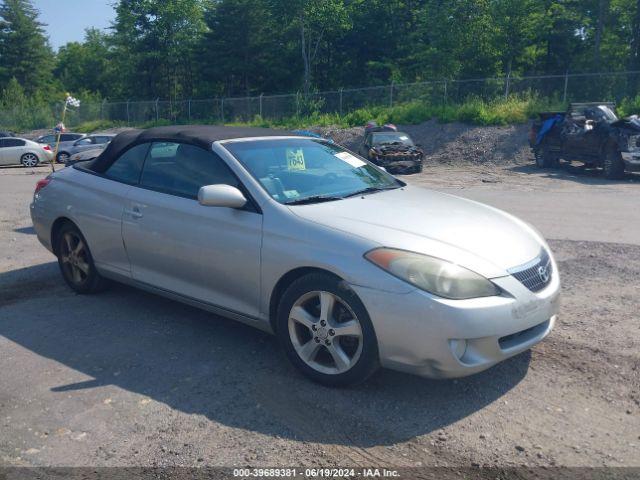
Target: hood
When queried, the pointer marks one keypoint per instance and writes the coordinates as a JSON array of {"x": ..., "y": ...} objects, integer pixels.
[{"x": 476, "y": 236}]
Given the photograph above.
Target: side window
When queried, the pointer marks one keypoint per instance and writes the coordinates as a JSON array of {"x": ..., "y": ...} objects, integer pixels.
[
  {"x": 84, "y": 141},
  {"x": 101, "y": 140},
  {"x": 2, "y": 143},
  {"x": 13, "y": 142},
  {"x": 48, "y": 139},
  {"x": 181, "y": 169},
  {"x": 128, "y": 166}
]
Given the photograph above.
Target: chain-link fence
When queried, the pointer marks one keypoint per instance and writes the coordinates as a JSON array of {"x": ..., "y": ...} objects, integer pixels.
[{"x": 613, "y": 86}]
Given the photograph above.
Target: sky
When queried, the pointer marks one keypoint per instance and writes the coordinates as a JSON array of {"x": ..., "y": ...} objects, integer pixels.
[{"x": 67, "y": 19}]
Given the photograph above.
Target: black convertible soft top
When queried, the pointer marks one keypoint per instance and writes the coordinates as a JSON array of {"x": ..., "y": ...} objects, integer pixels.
[{"x": 200, "y": 135}]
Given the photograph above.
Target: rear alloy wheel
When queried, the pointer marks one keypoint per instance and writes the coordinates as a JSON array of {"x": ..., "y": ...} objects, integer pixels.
[
  {"x": 63, "y": 157},
  {"x": 326, "y": 331},
  {"x": 76, "y": 262},
  {"x": 29, "y": 160},
  {"x": 613, "y": 165}
]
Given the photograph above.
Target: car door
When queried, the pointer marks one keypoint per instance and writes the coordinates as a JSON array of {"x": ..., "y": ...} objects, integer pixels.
[
  {"x": 2, "y": 147},
  {"x": 99, "y": 205},
  {"x": 83, "y": 144},
  {"x": 211, "y": 254},
  {"x": 13, "y": 150}
]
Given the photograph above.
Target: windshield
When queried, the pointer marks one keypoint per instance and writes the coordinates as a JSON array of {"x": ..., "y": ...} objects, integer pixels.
[
  {"x": 308, "y": 171},
  {"x": 390, "y": 137},
  {"x": 608, "y": 114}
]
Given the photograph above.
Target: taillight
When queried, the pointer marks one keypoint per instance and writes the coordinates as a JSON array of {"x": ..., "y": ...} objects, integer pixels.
[
  {"x": 41, "y": 184},
  {"x": 47, "y": 148}
]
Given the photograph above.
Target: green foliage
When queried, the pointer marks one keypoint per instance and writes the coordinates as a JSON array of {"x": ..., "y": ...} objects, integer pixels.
[
  {"x": 97, "y": 125},
  {"x": 515, "y": 109},
  {"x": 629, "y": 106},
  {"x": 178, "y": 49},
  {"x": 24, "y": 52}
]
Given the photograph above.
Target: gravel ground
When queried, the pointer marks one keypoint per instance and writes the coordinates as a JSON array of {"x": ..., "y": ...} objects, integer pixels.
[{"x": 127, "y": 378}]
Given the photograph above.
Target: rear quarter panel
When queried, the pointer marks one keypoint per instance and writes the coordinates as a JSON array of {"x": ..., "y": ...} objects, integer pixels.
[{"x": 95, "y": 205}]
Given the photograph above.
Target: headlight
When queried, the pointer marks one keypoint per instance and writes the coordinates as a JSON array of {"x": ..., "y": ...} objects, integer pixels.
[{"x": 433, "y": 275}]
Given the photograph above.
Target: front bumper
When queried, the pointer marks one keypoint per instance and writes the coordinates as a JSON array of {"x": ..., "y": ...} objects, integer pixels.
[
  {"x": 426, "y": 335},
  {"x": 631, "y": 160},
  {"x": 395, "y": 161}
]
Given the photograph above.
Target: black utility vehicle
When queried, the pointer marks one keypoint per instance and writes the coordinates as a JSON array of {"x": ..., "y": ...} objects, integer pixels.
[{"x": 590, "y": 133}]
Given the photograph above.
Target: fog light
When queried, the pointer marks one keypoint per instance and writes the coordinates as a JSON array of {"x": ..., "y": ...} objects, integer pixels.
[{"x": 458, "y": 347}]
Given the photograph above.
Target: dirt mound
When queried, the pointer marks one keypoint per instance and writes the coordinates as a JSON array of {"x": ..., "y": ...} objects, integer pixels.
[{"x": 454, "y": 143}]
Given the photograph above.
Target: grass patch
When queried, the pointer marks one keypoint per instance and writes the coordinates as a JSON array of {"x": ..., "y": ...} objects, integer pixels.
[
  {"x": 514, "y": 110},
  {"x": 90, "y": 127}
]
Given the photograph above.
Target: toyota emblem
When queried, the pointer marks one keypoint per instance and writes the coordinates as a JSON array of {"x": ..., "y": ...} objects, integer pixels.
[{"x": 543, "y": 273}]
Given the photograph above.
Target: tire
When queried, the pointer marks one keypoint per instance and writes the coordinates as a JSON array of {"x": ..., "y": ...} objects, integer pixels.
[
  {"x": 62, "y": 157},
  {"x": 544, "y": 158},
  {"x": 29, "y": 160},
  {"x": 418, "y": 169},
  {"x": 613, "y": 165},
  {"x": 76, "y": 264},
  {"x": 346, "y": 354}
]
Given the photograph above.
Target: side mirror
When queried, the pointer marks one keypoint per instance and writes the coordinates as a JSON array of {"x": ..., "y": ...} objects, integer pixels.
[{"x": 221, "y": 196}]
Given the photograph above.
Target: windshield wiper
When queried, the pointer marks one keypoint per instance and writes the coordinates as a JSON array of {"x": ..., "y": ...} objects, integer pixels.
[
  {"x": 368, "y": 190},
  {"x": 313, "y": 199}
]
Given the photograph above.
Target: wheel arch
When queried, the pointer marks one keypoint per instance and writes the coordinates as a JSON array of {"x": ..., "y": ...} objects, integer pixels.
[
  {"x": 285, "y": 281},
  {"x": 55, "y": 229}
]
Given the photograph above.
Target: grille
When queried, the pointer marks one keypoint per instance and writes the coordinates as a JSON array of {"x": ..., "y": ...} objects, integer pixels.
[{"x": 536, "y": 274}]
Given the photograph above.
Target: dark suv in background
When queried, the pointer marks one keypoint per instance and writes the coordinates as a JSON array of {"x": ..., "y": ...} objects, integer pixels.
[{"x": 591, "y": 133}]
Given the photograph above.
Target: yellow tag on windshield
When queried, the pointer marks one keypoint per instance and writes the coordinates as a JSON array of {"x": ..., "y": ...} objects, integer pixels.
[{"x": 295, "y": 159}]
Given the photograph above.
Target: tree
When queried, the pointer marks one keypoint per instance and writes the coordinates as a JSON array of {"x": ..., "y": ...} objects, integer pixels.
[
  {"x": 237, "y": 52},
  {"x": 514, "y": 29},
  {"x": 24, "y": 51},
  {"x": 316, "y": 22},
  {"x": 87, "y": 65},
  {"x": 155, "y": 42},
  {"x": 603, "y": 7}
]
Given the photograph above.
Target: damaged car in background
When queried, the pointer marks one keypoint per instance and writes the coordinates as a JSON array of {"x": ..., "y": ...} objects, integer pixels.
[
  {"x": 590, "y": 133},
  {"x": 387, "y": 147}
]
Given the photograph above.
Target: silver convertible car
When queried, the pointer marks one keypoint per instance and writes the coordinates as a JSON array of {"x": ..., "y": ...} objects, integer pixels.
[{"x": 350, "y": 267}]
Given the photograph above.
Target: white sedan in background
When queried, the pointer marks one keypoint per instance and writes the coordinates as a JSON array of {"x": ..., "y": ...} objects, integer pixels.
[{"x": 14, "y": 151}]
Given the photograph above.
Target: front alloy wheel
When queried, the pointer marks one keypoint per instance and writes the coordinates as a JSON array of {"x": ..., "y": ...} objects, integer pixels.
[
  {"x": 63, "y": 157},
  {"x": 326, "y": 331}
]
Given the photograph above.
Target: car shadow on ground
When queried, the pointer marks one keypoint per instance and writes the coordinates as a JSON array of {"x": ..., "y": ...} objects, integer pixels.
[
  {"x": 577, "y": 173},
  {"x": 25, "y": 230},
  {"x": 198, "y": 363}
]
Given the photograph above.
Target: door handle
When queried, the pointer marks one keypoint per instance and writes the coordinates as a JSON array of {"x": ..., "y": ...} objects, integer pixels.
[{"x": 134, "y": 212}]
